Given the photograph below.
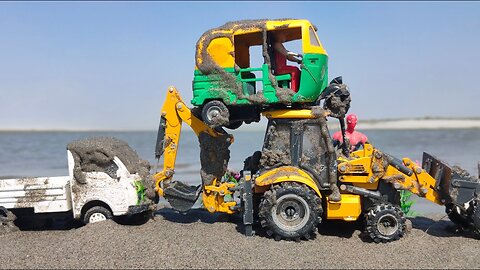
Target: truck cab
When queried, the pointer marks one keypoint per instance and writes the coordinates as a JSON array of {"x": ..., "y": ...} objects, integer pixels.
[
  {"x": 102, "y": 193},
  {"x": 111, "y": 191}
]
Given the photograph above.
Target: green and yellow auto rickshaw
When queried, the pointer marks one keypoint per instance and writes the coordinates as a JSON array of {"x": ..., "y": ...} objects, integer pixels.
[{"x": 229, "y": 91}]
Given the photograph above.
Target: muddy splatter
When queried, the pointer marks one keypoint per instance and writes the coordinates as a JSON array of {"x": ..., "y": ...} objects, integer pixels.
[
  {"x": 214, "y": 156},
  {"x": 272, "y": 158},
  {"x": 277, "y": 150},
  {"x": 318, "y": 111},
  {"x": 32, "y": 195},
  {"x": 220, "y": 119},
  {"x": 286, "y": 171}
]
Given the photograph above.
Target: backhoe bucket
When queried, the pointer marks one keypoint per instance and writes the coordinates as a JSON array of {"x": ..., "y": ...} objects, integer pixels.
[{"x": 181, "y": 196}]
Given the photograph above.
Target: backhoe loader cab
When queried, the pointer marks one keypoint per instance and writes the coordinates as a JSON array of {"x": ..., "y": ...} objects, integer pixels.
[
  {"x": 289, "y": 142},
  {"x": 294, "y": 174},
  {"x": 230, "y": 90}
]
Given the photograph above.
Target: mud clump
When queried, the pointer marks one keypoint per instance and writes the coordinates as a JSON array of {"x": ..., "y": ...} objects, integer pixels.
[
  {"x": 7, "y": 220},
  {"x": 97, "y": 154},
  {"x": 277, "y": 151},
  {"x": 464, "y": 174},
  {"x": 214, "y": 156},
  {"x": 272, "y": 158},
  {"x": 318, "y": 111},
  {"x": 338, "y": 101}
]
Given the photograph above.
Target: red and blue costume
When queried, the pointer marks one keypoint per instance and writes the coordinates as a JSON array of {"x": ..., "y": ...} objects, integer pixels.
[{"x": 356, "y": 138}]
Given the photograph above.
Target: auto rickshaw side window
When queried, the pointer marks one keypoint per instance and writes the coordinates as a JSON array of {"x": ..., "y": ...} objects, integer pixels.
[
  {"x": 242, "y": 55},
  {"x": 313, "y": 37},
  {"x": 242, "y": 44}
]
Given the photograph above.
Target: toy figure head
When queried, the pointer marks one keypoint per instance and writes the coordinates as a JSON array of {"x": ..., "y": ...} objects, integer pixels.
[{"x": 351, "y": 121}]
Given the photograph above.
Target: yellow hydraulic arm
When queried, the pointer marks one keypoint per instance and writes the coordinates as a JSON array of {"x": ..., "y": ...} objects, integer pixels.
[
  {"x": 369, "y": 166},
  {"x": 174, "y": 112}
]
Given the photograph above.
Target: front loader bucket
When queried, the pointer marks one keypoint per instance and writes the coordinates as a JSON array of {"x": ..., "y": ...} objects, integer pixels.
[
  {"x": 181, "y": 196},
  {"x": 442, "y": 173},
  {"x": 458, "y": 191},
  {"x": 453, "y": 184}
]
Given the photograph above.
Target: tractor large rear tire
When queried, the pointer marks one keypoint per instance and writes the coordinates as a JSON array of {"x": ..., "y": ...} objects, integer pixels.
[
  {"x": 290, "y": 211},
  {"x": 385, "y": 223}
]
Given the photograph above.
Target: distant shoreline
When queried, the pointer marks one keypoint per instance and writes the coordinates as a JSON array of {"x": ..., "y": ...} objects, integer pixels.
[
  {"x": 406, "y": 123},
  {"x": 420, "y": 124}
]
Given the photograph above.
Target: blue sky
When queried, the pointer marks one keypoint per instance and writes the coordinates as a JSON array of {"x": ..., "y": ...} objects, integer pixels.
[{"x": 107, "y": 65}]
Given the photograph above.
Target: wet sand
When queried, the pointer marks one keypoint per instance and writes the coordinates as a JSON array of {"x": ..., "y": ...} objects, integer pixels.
[{"x": 203, "y": 240}]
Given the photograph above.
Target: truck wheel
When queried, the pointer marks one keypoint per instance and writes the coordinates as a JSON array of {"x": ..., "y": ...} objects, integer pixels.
[
  {"x": 215, "y": 114},
  {"x": 385, "y": 223},
  {"x": 290, "y": 211},
  {"x": 96, "y": 214}
]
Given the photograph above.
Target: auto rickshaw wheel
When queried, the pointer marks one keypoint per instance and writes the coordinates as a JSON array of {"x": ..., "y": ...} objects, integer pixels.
[{"x": 215, "y": 114}]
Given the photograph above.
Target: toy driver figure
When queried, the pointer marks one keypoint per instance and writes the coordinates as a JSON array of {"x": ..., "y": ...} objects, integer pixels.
[
  {"x": 281, "y": 55},
  {"x": 355, "y": 138}
]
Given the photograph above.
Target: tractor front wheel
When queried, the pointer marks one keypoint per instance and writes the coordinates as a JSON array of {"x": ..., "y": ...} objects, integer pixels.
[
  {"x": 385, "y": 223},
  {"x": 290, "y": 211}
]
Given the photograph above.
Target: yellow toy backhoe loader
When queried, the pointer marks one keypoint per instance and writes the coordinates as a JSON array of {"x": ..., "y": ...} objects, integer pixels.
[{"x": 287, "y": 186}]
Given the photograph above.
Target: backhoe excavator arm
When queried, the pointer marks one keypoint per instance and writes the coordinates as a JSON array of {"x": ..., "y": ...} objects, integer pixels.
[{"x": 175, "y": 112}]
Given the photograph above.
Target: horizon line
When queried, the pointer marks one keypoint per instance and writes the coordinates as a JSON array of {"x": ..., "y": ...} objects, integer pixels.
[{"x": 246, "y": 128}]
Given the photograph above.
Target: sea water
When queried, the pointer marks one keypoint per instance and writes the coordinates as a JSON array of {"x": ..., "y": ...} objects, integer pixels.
[{"x": 30, "y": 154}]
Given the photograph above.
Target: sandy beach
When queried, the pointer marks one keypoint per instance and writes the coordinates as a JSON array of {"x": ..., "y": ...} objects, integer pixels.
[{"x": 203, "y": 240}]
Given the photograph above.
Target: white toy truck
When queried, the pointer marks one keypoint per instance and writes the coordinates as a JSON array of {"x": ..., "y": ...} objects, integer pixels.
[{"x": 98, "y": 187}]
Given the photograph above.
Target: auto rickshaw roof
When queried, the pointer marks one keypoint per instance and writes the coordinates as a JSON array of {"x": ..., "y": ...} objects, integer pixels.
[{"x": 256, "y": 26}]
